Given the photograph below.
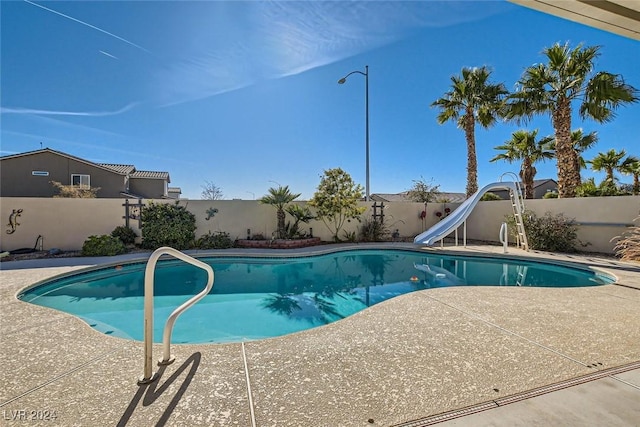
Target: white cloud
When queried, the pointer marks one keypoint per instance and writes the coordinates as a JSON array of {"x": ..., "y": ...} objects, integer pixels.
[
  {"x": 5, "y": 110},
  {"x": 88, "y": 25},
  {"x": 272, "y": 39}
]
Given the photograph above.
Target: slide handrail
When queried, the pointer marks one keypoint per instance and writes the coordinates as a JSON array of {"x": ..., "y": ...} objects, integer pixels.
[{"x": 149, "y": 276}]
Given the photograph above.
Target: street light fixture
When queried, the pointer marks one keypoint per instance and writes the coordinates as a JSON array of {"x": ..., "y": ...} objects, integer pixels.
[{"x": 366, "y": 102}]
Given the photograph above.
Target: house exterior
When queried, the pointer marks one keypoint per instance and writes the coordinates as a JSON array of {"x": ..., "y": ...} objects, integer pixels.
[
  {"x": 30, "y": 174},
  {"x": 540, "y": 188},
  {"x": 441, "y": 197}
]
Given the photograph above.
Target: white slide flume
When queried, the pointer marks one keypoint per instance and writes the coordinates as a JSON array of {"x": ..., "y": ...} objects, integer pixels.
[{"x": 455, "y": 219}]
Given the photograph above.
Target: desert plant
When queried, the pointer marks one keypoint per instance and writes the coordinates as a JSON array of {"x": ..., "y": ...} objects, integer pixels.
[
  {"x": 217, "y": 240},
  {"x": 336, "y": 200},
  {"x": 165, "y": 224},
  {"x": 125, "y": 234},
  {"x": 588, "y": 188},
  {"x": 550, "y": 195},
  {"x": 372, "y": 230},
  {"x": 299, "y": 214},
  {"x": 74, "y": 192},
  {"x": 628, "y": 245},
  {"x": 349, "y": 236},
  {"x": 279, "y": 197},
  {"x": 489, "y": 196},
  {"x": 423, "y": 192},
  {"x": 553, "y": 233},
  {"x": 103, "y": 245}
]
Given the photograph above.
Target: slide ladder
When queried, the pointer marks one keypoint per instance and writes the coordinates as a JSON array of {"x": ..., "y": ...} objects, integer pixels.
[
  {"x": 521, "y": 275},
  {"x": 517, "y": 204}
]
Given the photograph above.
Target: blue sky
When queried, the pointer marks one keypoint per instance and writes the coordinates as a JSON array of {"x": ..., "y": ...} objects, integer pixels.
[{"x": 245, "y": 94}]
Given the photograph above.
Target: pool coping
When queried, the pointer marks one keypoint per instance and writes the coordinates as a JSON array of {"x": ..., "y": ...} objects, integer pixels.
[{"x": 278, "y": 369}]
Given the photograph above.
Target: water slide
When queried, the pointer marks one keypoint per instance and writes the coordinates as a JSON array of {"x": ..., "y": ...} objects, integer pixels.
[{"x": 460, "y": 215}]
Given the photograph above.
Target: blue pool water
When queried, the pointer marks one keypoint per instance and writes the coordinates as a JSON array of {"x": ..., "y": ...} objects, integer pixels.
[{"x": 254, "y": 298}]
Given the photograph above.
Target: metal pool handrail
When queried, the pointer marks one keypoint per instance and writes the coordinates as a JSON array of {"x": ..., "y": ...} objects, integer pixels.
[{"x": 149, "y": 274}]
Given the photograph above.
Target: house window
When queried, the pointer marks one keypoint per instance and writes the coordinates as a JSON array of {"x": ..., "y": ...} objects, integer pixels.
[
  {"x": 82, "y": 181},
  {"x": 39, "y": 173}
]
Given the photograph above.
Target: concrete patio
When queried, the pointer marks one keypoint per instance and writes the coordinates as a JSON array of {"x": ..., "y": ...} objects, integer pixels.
[{"x": 491, "y": 355}]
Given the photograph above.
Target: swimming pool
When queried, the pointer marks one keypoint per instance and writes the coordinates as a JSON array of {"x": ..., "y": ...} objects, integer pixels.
[{"x": 255, "y": 298}]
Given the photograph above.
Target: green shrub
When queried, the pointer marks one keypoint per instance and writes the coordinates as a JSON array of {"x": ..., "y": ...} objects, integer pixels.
[
  {"x": 348, "y": 236},
  {"x": 167, "y": 224},
  {"x": 588, "y": 188},
  {"x": 488, "y": 197},
  {"x": 552, "y": 233},
  {"x": 550, "y": 195},
  {"x": 104, "y": 245},
  {"x": 217, "y": 240},
  {"x": 373, "y": 231},
  {"x": 125, "y": 234}
]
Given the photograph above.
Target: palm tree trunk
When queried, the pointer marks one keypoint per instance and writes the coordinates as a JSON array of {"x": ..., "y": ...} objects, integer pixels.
[
  {"x": 636, "y": 183},
  {"x": 568, "y": 176},
  {"x": 281, "y": 217},
  {"x": 527, "y": 173},
  {"x": 609, "y": 174},
  {"x": 472, "y": 161}
]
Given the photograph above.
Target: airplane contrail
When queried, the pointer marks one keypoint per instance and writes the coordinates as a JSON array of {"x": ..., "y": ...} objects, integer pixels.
[
  {"x": 108, "y": 54},
  {"x": 67, "y": 113},
  {"x": 88, "y": 25}
]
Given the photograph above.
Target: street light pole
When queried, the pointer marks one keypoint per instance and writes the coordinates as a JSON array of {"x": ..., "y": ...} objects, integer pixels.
[{"x": 366, "y": 102}]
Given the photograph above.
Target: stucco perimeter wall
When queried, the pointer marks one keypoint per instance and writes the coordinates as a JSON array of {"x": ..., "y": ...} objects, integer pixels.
[
  {"x": 63, "y": 223},
  {"x": 66, "y": 223},
  {"x": 601, "y": 219}
]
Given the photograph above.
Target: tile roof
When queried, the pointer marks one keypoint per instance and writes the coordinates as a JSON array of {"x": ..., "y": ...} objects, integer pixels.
[
  {"x": 151, "y": 175},
  {"x": 402, "y": 197},
  {"x": 126, "y": 169}
]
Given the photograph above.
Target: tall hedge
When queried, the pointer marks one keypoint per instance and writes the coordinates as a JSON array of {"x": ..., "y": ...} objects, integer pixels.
[{"x": 164, "y": 224}]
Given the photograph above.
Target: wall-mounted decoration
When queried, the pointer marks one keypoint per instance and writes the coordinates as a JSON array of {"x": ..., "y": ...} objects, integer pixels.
[
  {"x": 133, "y": 211},
  {"x": 211, "y": 212},
  {"x": 13, "y": 220}
]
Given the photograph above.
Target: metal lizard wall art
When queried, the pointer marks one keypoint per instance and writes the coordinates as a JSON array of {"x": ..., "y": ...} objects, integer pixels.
[{"x": 13, "y": 220}]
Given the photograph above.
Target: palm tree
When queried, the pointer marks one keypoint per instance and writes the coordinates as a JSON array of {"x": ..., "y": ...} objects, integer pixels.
[
  {"x": 471, "y": 98},
  {"x": 552, "y": 88},
  {"x": 581, "y": 143},
  {"x": 279, "y": 197},
  {"x": 523, "y": 146},
  {"x": 610, "y": 162},
  {"x": 632, "y": 167}
]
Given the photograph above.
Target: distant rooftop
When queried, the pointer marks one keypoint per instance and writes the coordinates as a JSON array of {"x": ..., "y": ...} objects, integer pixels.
[{"x": 402, "y": 197}]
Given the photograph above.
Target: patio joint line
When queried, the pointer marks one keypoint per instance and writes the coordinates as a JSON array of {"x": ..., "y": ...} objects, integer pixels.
[
  {"x": 511, "y": 332},
  {"x": 246, "y": 373},
  {"x": 518, "y": 397},
  {"x": 625, "y": 382},
  {"x": 57, "y": 377}
]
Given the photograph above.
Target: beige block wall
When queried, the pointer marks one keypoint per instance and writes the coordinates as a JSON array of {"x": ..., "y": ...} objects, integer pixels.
[
  {"x": 66, "y": 223},
  {"x": 598, "y": 216},
  {"x": 63, "y": 223},
  {"x": 236, "y": 216}
]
